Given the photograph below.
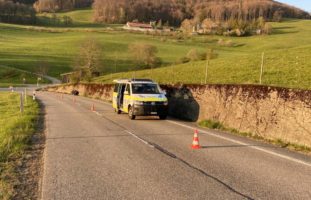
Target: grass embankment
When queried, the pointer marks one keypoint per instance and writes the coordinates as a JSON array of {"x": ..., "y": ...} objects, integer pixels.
[
  {"x": 15, "y": 132},
  {"x": 12, "y": 77},
  {"x": 278, "y": 142}
]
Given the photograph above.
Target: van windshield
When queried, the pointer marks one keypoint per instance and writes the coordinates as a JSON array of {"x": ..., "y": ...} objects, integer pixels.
[{"x": 145, "y": 88}]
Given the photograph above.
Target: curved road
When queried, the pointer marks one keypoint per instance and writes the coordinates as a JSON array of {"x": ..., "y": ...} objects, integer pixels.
[{"x": 102, "y": 155}]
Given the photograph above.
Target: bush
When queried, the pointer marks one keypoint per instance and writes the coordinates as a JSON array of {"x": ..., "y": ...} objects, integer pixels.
[
  {"x": 212, "y": 124},
  {"x": 183, "y": 59},
  {"x": 226, "y": 43},
  {"x": 145, "y": 55},
  {"x": 193, "y": 55},
  {"x": 267, "y": 29}
]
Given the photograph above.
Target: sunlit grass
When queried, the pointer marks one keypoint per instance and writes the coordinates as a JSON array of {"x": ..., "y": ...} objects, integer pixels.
[{"x": 15, "y": 127}]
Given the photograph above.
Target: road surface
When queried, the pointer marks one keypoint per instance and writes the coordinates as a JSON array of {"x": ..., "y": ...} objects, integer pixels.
[{"x": 102, "y": 155}]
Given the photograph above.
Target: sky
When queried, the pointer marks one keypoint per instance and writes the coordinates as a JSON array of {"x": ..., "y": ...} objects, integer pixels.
[{"x": 303, "y": 4}]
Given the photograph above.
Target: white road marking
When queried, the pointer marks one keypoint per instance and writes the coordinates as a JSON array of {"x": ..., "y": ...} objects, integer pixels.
[
  {"x": 242, "y": 143},
  {"x": 138, "y": 138},
  {"x": 224, "y": 138}
]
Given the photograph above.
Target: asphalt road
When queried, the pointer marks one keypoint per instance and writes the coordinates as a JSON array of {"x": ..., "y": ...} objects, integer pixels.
[{"x": 102, "y": 155}]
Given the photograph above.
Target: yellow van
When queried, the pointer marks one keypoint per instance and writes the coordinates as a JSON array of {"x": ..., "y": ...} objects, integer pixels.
[{"x": 139, "y": 97}]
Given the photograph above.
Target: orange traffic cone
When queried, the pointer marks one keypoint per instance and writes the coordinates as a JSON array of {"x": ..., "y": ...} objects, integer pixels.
[
  {"x": 195, "y": 142},
  {"x": 93, "y": 108}
]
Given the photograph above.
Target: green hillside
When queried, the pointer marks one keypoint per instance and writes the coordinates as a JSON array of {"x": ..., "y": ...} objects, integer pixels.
[
  {"x": 287, "y": 52},
  {"x": 287, "y": 60},
  {"x": 80, "y": 18}
]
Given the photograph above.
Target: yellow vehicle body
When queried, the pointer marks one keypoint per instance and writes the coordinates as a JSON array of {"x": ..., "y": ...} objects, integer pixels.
[{"x": 139, "y": 97}]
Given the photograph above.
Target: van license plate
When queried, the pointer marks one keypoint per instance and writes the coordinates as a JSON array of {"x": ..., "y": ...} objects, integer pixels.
[{"x": 154, "y": 113}]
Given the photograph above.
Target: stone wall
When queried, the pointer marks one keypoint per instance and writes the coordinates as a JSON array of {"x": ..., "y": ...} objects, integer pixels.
[
  {"x": 96, "y": 91},
  {"x": 274, "y": 113}
]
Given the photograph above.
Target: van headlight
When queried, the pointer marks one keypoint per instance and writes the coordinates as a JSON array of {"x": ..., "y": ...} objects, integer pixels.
[{"x": 138, "y": 103}]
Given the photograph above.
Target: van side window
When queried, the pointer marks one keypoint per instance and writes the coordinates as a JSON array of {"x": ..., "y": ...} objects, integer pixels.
[
  {"x": 116, "y": 87},
  {"x": 128, "y": 89}
]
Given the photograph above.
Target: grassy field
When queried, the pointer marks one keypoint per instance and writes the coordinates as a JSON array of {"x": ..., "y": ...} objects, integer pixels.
[
  {"x": 287, "y": 60},
  {"x": 13, "y": 77},
  {"x": 81, "y": 18},
  {"x": 287, "y": 50},
  {"x": 15, "y": 132}
]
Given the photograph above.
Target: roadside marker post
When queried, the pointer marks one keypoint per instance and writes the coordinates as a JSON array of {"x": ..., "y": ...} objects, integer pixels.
[
  {"x": 34, "y": 95},
  {"x": 93, "y": 107},
  {"x": 22, "y": 102},
  {"x": 25, "y": 95}
]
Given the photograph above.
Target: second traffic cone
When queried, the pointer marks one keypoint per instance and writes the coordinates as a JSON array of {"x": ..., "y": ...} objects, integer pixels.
[
  {"x": 195, "y": 142},
  {"x": 93, "y": 107}
]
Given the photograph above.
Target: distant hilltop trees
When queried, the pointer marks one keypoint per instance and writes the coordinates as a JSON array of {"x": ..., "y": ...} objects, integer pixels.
[
  {"x": 176, "y": 11},
  {"x": 17, "y": 12},
  {"x": 60, "y": 5},
  {"x": 171, "y": 12}
]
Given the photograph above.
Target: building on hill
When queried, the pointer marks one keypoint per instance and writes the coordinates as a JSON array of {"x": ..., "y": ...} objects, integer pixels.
[{"x": 136, "y": 26}]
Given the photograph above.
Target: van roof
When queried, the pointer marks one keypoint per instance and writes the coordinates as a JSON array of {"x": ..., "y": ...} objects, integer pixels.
[{"x": 133, "y": 81}]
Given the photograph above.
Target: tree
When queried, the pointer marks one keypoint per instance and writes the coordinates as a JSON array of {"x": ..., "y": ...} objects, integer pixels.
[
  {"x": 187, "y": 26},
  {"x": 277, "y": 16},
  {"x": 67, "y": 20},
  {"x": 267, "y": 29},
  {"x": 43, "y": 68},
  {"x": 193, "y": 55},
  {"x": 210, "y": 54},
  {"x": 89, "y": 58},
  {"x": 159, "y": 24},
  {"x": 144, "y": 54}
]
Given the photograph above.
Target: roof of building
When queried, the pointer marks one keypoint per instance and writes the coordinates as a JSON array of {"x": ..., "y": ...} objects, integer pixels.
[
  {"x": 133, "y": 81},
  {"x": 139, "y": 25}
]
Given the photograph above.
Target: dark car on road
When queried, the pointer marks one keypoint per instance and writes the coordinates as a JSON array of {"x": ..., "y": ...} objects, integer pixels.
[{"x": 75, "y": 92}]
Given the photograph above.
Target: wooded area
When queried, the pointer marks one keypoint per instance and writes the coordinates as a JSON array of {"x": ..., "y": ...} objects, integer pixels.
[
  {"x": 175, "y": 11},
  {"x": 16, "y": 12},
  {"x": 172, "y": 12},
  {"x": 60, "y": 5}
]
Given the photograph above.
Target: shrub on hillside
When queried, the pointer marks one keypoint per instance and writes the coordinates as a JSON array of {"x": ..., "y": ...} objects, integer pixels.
[
  {"x": 183, "y": 59},
  {"x": 193, "y": 55},
  {"x": 226, "y": 43},
  {"x": 144, "y": 55}
]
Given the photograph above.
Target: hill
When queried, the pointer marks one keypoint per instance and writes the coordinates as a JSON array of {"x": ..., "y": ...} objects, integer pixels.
[
  {"x": 287, "y": 50},
  {"x": 287, "y": 60}
]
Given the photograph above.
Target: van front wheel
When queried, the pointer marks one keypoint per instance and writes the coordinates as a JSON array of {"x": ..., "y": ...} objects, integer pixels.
[
  {"x": 117, "y": 111},
  {"x": 163, "y": 117},
  {"x": 131, "y": 113}
]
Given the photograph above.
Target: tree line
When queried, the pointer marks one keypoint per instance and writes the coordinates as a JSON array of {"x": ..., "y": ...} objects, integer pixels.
[
  {"x": 17, "y": 12},
  {"x": 172, "y": 12},
  {"x": 60, "y": 5},
  {"x": 175, "y": 11}
]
